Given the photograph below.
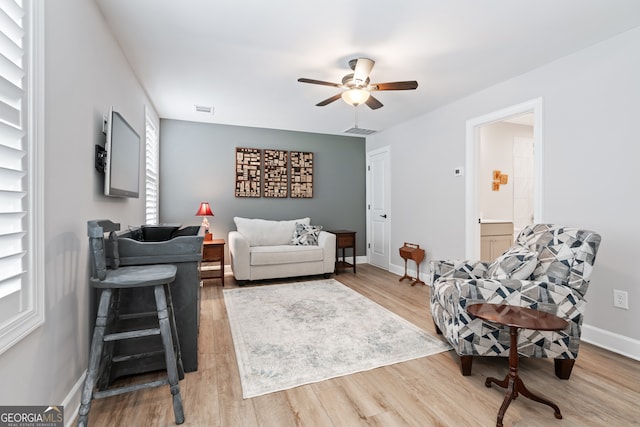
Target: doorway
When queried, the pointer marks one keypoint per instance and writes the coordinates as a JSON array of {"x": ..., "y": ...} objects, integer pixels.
[
  {"x": 491, "y": 182},
  {"x": 378, "y": 207}
]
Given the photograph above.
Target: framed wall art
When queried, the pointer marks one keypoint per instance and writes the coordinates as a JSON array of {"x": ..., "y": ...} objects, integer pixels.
[
  {"x": 301, "y": 174},
  {"x": 275, "y": 173},
  {"x": 248, "y": 172}
]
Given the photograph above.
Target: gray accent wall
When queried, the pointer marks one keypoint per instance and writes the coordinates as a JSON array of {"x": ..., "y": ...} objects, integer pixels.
[{"x": 197, "y": 164}]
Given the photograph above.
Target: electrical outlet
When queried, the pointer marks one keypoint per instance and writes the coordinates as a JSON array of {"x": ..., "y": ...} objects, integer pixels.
[{"x": 620, "y": 299}]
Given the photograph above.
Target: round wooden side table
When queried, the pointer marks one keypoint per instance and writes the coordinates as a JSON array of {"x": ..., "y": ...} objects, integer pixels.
[{"x": 517, "y": 318}]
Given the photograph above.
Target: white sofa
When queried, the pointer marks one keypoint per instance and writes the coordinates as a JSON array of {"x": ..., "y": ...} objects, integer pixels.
[{"x": 265, "y": 249}]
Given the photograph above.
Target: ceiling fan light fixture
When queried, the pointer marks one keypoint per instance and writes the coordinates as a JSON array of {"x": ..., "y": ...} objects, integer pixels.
[{"x": 355, "y": 96}]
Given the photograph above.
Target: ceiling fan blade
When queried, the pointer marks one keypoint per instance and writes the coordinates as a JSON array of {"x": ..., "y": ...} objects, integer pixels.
[
  {"x": 373, "y": 103},
  {"x": 362, "y": 70},
  {"x": 318, "y": 82},
  {"x": 408, "y": 85},
  {"x": 329, "y": 100}
]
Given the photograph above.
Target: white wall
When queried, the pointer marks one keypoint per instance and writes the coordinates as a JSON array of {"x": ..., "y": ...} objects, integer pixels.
[
  {"x": 85, "y": 74},
  {"x": 590, "y": 169}
]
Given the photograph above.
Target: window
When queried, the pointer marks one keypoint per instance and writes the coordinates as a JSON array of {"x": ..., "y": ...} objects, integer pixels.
[
  {"x": 21, "y": 165},
  {"x": 152, "y": 166}
]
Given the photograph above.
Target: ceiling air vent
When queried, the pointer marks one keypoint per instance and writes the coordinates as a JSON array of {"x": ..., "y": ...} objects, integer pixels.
[
  {"x": 204, "y": 109},
  {"x": 360, "y": 131}
]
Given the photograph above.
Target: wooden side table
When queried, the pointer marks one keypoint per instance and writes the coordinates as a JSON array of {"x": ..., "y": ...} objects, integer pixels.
[
  {"x": 212, "y": 251},
  {"x": 411, "y": 251},
  {"x": 517, "y": 318},
  {"x": 345, "y": 239}
]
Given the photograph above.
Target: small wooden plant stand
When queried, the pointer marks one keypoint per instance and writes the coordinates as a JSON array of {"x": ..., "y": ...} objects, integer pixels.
[{"x": 411, "y": 251}]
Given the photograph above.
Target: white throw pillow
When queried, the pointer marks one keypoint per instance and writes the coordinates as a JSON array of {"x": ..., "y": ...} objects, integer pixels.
[
  {"x": 516, "y": 263},
  {"x": 306, "y": 235},
  {"x": 262, "y": 232}
]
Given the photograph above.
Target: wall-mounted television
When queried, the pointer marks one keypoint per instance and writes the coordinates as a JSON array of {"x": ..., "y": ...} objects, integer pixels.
[{"x": 122, "y": 165}]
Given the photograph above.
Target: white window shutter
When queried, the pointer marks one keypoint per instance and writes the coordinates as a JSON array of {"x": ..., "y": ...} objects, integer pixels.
[
  {"x": 152, "y": 168},
  {"x": 21, "y": 283}
]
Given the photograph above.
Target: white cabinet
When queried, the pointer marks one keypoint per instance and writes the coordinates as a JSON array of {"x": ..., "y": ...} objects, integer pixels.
[{"x": 495, "y": 239}]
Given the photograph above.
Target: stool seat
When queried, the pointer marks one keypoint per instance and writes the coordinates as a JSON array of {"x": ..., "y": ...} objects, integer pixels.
[
  {"x": 113, "y": 284},
  {"x": 137, "y": 276}
]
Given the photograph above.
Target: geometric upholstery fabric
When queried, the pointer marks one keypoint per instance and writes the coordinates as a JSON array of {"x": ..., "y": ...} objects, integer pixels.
[
  {"x": 516, "y": 263},
  {"x": 565, "y": 255},
  {"x": 306, "y": 235},
  {"x": 565, "y": 258}
]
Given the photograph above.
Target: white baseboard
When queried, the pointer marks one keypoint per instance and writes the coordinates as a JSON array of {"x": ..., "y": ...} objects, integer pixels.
[
  {"x": 72, "y": 400},
  {"x": 396, "y": 269},
  {"x": 611, "y": 341}
]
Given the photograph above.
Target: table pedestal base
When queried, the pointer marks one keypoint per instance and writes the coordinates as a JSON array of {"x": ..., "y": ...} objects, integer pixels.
[{"x": 514, "y": 384}]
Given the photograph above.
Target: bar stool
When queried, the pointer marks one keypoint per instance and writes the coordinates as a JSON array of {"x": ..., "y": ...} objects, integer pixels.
[{"x": 110, "y": 281}]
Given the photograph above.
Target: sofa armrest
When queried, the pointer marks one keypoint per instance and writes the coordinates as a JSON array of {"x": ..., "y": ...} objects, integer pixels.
[
  {"x": 457, "y": 294},
  {"x": 460, "y": 269},
  {"x": 327, "y": 241},
  {"x": 239, "y": 251}
]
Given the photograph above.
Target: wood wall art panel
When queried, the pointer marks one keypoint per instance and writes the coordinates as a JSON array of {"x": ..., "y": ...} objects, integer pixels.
[
  {"x": 275, "y": 173},
  {"x": 301, "y": 174},
  {"x": 248, "y": 172}
]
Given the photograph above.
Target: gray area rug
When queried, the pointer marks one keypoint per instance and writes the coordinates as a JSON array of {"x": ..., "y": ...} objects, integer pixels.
[{"x": 299, "y": 333}]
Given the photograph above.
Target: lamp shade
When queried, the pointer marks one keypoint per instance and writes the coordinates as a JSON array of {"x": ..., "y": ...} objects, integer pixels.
[
  {"x": 205, "y": 210},
  {"x": 355, "y": 97}
]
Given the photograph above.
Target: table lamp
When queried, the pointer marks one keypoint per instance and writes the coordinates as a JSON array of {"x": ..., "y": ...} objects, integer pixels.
[{"x": 204, "y": 212}]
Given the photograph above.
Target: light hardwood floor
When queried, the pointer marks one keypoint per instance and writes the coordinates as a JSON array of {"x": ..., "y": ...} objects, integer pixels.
[{"x": 604, "y": 389}]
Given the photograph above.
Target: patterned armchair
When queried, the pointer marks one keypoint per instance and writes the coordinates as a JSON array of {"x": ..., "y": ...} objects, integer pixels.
[{"x": 548, "y": 268}]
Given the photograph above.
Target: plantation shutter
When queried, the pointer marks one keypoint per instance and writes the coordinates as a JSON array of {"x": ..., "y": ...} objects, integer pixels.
[
  {"x": 21, "y": 165},
  {"x": 14, "y": 280},
  {"x": 152, "y": 160}
]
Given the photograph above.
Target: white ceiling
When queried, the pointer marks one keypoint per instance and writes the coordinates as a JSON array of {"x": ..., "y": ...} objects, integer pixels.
[{"x": 243, "y": 57}]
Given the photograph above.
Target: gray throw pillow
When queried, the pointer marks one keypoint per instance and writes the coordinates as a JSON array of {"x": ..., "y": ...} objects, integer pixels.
[
  {"x": 516, "y": 263},
  {"x": 306, "y": 235}
]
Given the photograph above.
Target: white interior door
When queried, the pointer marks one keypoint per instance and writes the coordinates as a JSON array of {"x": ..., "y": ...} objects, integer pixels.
[{"x": 378, "y": 202}]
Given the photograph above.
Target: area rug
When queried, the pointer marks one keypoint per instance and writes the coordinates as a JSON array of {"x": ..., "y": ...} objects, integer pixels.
[{"x": 287, "y": 335}]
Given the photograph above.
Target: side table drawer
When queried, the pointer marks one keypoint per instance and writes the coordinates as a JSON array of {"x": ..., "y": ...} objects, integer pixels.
[
  {"x": 345, "y": 241},
  {"x": 212, "y": 253}
]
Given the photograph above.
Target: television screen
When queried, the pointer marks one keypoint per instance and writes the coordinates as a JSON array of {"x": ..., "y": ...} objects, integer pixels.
[{"x": 122, "y": 169}]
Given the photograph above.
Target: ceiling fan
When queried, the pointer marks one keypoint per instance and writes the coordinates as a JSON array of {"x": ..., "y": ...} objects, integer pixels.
[{"x": 358, "y": 86}]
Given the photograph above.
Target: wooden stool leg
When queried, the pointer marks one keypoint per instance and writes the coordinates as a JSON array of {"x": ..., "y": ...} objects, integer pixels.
[
  {"x": 94, "y": 357},
  {"x": 174, "y": 331},
  {"x": 107, "y": 347},
  {"x": 170, "y": 356}
]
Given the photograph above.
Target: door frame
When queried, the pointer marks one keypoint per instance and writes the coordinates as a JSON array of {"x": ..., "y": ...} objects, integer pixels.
[
  {"x": 386, "y": 149},
  {"x": 472, "y": 226}
]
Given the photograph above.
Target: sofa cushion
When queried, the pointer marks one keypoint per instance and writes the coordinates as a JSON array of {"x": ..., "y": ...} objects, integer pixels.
[
  {"x": 261, "y": 232},
  {"x": 285, "y": 254},
  {"x": 516, "y": 263},
  {"x": 306, "y": 235}
]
